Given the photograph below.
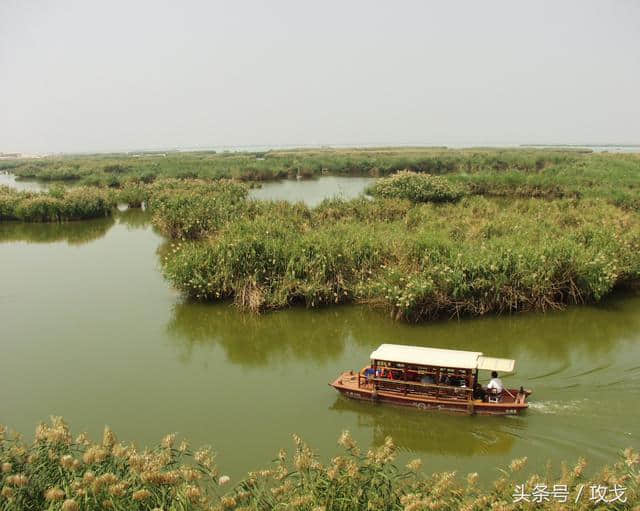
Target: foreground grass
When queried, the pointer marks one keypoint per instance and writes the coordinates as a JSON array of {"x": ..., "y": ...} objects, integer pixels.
[
  {"x": 416, "y": 260},
  {"x": 56, "y": 472}
]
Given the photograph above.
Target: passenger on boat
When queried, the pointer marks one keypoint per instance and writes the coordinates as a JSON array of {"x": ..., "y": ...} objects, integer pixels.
[
  {"x": 455, "y": 381},
  {"x": 478, "y": 392},
  {"x": 413, "y": 376},
  {"x": 495, "y": 383},
  {"x": 427, "y": 378},
  {"x": 385, "y": 373}
]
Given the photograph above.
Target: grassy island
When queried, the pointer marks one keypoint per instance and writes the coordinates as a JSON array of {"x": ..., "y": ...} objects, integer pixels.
[{"x": 416, "y": 260}]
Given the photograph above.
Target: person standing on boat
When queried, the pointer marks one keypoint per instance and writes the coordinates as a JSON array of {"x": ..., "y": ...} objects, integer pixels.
[{"x": 495, "y": 383}]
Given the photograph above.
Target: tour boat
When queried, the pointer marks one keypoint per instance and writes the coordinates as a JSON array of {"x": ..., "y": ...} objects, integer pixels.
[{"x": 432, "y": 378}]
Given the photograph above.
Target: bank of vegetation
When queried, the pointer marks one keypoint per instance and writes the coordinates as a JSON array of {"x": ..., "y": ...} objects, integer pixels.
[
  {"x": 481, "y": 231},
  {"x": 58, "y": 472},
  {"x": 57, "y": 205},
  {"x": 417, "y": 260},
  {"x": 544, "y": 173},
  {"x": 287, "y": 163}
]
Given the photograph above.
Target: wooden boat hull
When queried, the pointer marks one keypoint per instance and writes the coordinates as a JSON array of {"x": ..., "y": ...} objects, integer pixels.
[{"x": 347, "y": 385}]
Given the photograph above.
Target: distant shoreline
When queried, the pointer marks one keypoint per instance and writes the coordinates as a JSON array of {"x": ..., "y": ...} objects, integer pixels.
[{"x": 302, "y": 147}]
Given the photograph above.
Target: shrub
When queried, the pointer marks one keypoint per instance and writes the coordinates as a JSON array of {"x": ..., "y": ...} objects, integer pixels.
[
  {"x": 116, "y": 168},
  {"x": 417, "y": 188}
]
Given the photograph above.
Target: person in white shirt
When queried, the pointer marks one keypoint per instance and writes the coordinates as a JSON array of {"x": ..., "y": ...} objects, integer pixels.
[{"x": 495, "y": 383}]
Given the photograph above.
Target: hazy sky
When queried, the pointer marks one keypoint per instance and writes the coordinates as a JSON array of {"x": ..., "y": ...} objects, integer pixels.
[{"x": 93, "y": 75}]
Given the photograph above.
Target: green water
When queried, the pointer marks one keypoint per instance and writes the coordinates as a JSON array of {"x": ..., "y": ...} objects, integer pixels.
[
  {"x": 90, "y": 330},
  {"x": 312, "y": 191}
]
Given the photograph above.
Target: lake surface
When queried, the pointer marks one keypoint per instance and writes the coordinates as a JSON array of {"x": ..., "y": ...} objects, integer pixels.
[
  {"x": 312, "y": 191},
  {"x": 90, "y": 330},
  {"x": 30, "y": 185},
  {"x": 309, "y": 191}
]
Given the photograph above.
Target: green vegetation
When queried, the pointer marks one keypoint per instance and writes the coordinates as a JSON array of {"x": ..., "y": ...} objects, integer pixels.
[
  {"x": 544, "y": 173},
  {"x": 459, "y": 232},
  {"x": 417, "y": 261},
  {"x": 192, "y": 209},
  {"x": 256, "y": 166},
  {"x": 57, "y": 205},
  {"x": 56, "y": 472},
  {"x": 417, "y": 188}
]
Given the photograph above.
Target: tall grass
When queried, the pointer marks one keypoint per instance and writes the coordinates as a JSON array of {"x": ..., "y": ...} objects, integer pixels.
[
  {"x": 57, "y": 205},
  {"x": 548, "y": 173},
  {"x": 417, "y": 261},
  {"x": 194, "y": 208},
  {"x": 56, "y": 472}
]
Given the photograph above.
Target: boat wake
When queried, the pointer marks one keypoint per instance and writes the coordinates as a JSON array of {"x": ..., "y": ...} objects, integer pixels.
[{"x": 557, "y": 407}]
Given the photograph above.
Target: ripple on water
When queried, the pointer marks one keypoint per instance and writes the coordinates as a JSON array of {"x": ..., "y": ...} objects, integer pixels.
[{"x": 559, "y": 407}]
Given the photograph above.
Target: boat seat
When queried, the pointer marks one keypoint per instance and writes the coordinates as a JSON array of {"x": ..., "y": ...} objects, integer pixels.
[{"x": 493, "y": 395}]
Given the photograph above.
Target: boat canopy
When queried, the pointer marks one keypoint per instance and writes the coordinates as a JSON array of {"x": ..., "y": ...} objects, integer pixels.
[
  {"x": 438, "y": 357},
  {"x": 504, "y": 365}
]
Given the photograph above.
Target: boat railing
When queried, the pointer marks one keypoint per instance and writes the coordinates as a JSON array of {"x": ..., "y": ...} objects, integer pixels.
[{"x": 445, "y": 391}]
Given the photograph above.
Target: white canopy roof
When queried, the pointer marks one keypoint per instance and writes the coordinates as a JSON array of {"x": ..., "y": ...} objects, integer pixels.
[
  {"x": 504, "y": 365},
  {"x": 440, "y": 358}
]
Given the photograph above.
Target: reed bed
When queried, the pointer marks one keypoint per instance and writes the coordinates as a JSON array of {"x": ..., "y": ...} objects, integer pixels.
[
  {"x": 544, "y": 173},
  {"x": 191, "y": 209},
  {"x": 58, "y": 472},
  {"x": 259, "y": 166},
  {"x": 57, "y": 205},
  {"x": 417, "y": 261}
]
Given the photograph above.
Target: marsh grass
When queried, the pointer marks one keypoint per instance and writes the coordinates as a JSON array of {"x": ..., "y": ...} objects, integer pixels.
[
  {"x": 544, "y": 173},
  {"x": 57, "y": 205},
  {"x": 417, "y": 187},
  {"x": 417, "y": 261},
  {"x": 371, "y": 480},
  {"x": 191, "y": 209},
  {"x": 58, "y": 472}
]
